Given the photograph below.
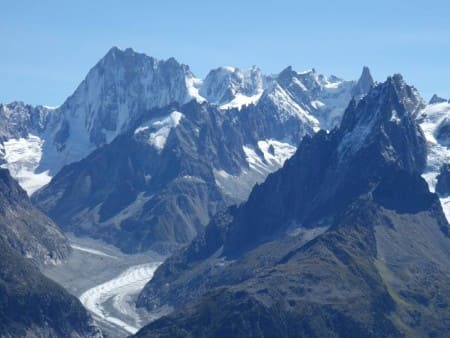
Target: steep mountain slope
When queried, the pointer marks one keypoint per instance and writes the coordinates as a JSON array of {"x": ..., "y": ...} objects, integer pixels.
[
  {"x": 345, "y": 240},
  {"x": 230, "y": 87},
  {"x": 30, "y": 304},
  {"x": 20, "y": 146},
  {"x": 116, "y": 90},
  {"x": 157, "y": 184},
  {"x": 434, "y": 120},
  {"x": 25, "y": 228}
]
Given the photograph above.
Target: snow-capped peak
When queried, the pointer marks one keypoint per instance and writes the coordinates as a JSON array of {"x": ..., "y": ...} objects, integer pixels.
[
  {"x": 125, "y": 85},
  {"x": 390, "y": 107},
  {"x": 231, "y": 87}
]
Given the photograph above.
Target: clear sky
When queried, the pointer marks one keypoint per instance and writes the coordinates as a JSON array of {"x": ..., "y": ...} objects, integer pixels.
[{"x": 47, "y": 47}]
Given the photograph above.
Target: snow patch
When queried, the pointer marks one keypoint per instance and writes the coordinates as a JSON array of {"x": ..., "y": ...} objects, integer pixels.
[
  {"x": 241, "y": 100},
  {"x": 22, "y": 158},
  {"x": 50, "y": 107},
  {"x": 307, "y": 234},
  {"x": 394, "y": 117},
  {"x": 193, "y": 84},
  {"x": 157, "y": 130},
  {"x": 438, "y": 154},
  {"x": 288, "y": 107},
  {"x": 274, "y": 154},
  {"x": 317, "y": 104}
]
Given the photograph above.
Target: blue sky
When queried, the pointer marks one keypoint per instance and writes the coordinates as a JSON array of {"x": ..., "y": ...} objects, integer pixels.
[{"x": 47, "y": 47}]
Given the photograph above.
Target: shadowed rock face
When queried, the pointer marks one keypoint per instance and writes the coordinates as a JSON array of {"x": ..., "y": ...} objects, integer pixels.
[
  {"x": 345, "y": 240},
  {"x": 436, "y": 99},
  {"x": 25, "y": 228},
  {"x": 364, "y": 84},
  {"x": 31, "y": 304},
  {"x": 443, "y": 181}
]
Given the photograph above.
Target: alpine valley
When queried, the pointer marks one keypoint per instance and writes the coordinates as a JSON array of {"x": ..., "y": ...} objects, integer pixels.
[{"x": 238, "y": 205}]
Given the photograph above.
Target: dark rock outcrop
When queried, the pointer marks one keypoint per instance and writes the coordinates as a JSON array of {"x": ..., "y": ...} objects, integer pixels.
[
  {"x": 436, "y": 99},
  {"x": 443, "y": 181},
  {"x": 25, "y": 228},
  {"x": 30, "y": 304}
]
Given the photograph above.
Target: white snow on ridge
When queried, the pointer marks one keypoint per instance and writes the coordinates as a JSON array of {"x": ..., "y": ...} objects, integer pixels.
[
  {"x": 438, "y": 154},
  {"x": 22, "y": 158},
  {"x": 431, "y": 118},
  {"x": 157, "y": 130},
  {"x": 121, "y": 290},
  {"x": 274, "y": 154},
  {"x": 288, "y": 107},
  {"x": 241, "y": 100},
  {"x": 193, "y": 84},
  {"x": 50, "y": 107},
  {"x": 332, "y": 102},
  {"x": 317, "y": 104}
]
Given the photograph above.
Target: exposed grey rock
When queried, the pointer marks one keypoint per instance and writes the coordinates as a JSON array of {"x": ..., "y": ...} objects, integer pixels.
[
  {"x": 321, "y": 248},
  {"x": 30, "y": 304},
  {"x": 436, "y": 99},
  {"x": 442, "y": 132},
  {"x": 443, "y": 181},
  {"x": 364, "y": 84},
  {"x": 25, "y": 228}
]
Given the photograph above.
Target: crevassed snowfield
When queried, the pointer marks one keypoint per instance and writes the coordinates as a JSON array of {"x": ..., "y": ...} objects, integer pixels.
[
  {"x": 121, "y": 291},
  {"x": 23, "y": 156}
]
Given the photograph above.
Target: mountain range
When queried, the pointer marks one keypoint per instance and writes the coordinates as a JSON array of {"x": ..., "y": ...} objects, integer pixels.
[
  {"x": 344, "y": 241},
  {"x": 144, "y": 153},
  {"x": 293, "y": 204}
]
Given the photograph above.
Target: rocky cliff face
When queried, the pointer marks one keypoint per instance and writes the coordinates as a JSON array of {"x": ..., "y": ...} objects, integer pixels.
[
  {"x": 33, "y": 306},
  {"x": 443, "y": 181},
  {"x": 121, "y": 86},
  {"x": 320, "y": 249},
  {"x": 30, "y": 304},
  {"x": 434, "y": 121},
  {"x": 25, "y": 228}
]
